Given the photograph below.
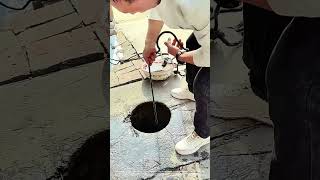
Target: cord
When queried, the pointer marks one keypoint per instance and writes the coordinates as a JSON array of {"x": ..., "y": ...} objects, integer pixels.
[
  {"x": 132, "y": 58},
  {"x": 15, "y": 8},
  {"x": 168, "y": 32},
  {"x": 175, "y": 37},
  {"x": 154, "y": 104},
  {"x": 158, "y": 53}
]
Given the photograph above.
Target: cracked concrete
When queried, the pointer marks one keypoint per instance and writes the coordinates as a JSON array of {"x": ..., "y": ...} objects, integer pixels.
[
  {"x": 52, "y": 38},
  {"x": 47, "y": 115},
  {"x": 38, "y": 133}
]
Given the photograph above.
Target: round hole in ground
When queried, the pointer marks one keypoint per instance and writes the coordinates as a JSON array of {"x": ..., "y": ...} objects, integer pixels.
[{"x": 142, "y": 117}]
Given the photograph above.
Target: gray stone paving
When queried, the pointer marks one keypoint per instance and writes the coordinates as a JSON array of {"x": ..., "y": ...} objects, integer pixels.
[
  {"x": 44, "y": 120},
  {"x": 58, "y": 36},
  {"x": 47, "y": 114}
]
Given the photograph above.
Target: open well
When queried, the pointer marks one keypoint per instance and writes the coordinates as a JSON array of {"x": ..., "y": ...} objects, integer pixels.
[{"x": 143, "y": 119}]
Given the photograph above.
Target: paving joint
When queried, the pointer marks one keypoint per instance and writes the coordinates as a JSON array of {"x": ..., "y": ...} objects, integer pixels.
[
  {"x": 36, "y": 25},
  {"x": 228, "y": 133},
  {"x": 101, "y": 43},
  {"x": 66, "y": 31},
  {"x": 176, "y": 168},
  {"x": 126, "y": 83},
  {"x": 247, "y": 154},
  {"x": 73, "y": 6}
]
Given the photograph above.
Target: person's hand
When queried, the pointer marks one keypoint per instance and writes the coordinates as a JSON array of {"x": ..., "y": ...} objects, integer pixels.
[
  {"x": 149, "y": 54},
  {"x": 174, "y": 46}
]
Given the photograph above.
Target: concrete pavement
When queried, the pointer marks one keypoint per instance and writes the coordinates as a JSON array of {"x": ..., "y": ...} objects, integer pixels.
[{"x": 51, "y": 95}]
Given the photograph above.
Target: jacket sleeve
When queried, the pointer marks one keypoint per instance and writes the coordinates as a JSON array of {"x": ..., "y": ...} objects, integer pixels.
[
  {"x": 201, "y": 57},
  {"x": 154, "y": 15},
  {"x": 198, "y": 16}
]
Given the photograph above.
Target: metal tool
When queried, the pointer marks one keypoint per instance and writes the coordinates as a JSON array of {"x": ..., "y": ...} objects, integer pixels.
[
  {"x": 154, "y": 103},
  {"x": 175, "y": 37},
  {"x": 159, "y": 51}
]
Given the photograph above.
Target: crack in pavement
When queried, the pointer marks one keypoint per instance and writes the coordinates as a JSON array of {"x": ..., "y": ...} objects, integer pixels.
[
  {"x": 45, "y": 22},
  {"x": 68, "y": 30},
  {"x": 235, "y": 131},
  {"x": 76, "y": 81},
  {"x": 126, "y": 83},
  {"x": 117, "y": 70},
  {"x": 106, "y": 50},
  {"x": 247, "y": 154},
  {"x": 176, "y": 168},
  {"x": 177, "y": 106},
  {"x": 74, "y": 7},
  {"x": 238, "y": 118},
  {"x": 230, "y": 136}
]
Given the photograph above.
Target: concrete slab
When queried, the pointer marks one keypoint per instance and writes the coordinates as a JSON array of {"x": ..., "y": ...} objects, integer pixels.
[
  {"x": 114, "y": 81},
  {"x": 8, "y": 40},
  {"x": 70, "y": 46},
  {"x": 14, "y": 65},
  {"x": 149, "y": 156},
  {"x": 91, "y": 11},
  {"x": 51, "y": 28},
  {"x": 159, "y": 160},
  {"x": 101, "y": 32},
  {"x": 37, "y": 132},
  {"x": 129, "y": 77},
  {"x": 123, "y": 102},
  {"x": 24, "y": 20},
  {"x": 232, "y": 97},
  {"x": 243, "y": 154},
  {"x": 246, "y": 105},
  {"x": 124, "y": 72},
  {"x": 13, "y": 58}
]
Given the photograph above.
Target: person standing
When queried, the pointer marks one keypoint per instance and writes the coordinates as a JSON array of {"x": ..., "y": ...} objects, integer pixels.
[{"x": 182, "y": 14}]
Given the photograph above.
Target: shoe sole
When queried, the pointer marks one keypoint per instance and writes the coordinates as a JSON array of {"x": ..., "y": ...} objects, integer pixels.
[{"x": 184, "y": 153}]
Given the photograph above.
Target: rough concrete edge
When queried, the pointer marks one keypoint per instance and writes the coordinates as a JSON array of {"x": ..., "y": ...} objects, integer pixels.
[
  {"x": 58, "y": 67},
  {"x": 173, "y": 169},
  {"x": 69, "y": 64},
  {"x": 143, "y": 77}
]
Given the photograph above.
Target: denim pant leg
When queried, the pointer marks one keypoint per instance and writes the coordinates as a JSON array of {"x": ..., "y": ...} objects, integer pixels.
[
  {"x": 191, "y": 70},
  {"x": 202, "y": 96},
  {"x": 293, "y": 82}
]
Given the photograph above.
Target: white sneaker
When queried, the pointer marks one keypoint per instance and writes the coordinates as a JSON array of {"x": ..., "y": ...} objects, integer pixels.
[
  {"x": 191, "y": 144},
  {"x": 182, "y": 93}
]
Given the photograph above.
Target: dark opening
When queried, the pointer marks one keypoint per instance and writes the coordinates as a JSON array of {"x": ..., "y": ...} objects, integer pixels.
[
  {"x": 142, "y": 117},
  {"x": 89, "y": 162}
]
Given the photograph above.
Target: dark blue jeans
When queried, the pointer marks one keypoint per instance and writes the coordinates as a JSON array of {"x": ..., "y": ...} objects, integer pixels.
[
  {"x": 198, "y": 79},
  {"x": 293, "y": 82}
]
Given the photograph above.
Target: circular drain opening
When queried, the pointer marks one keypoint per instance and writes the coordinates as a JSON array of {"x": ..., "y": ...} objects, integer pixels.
[{"x": 142, "y": 117}]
